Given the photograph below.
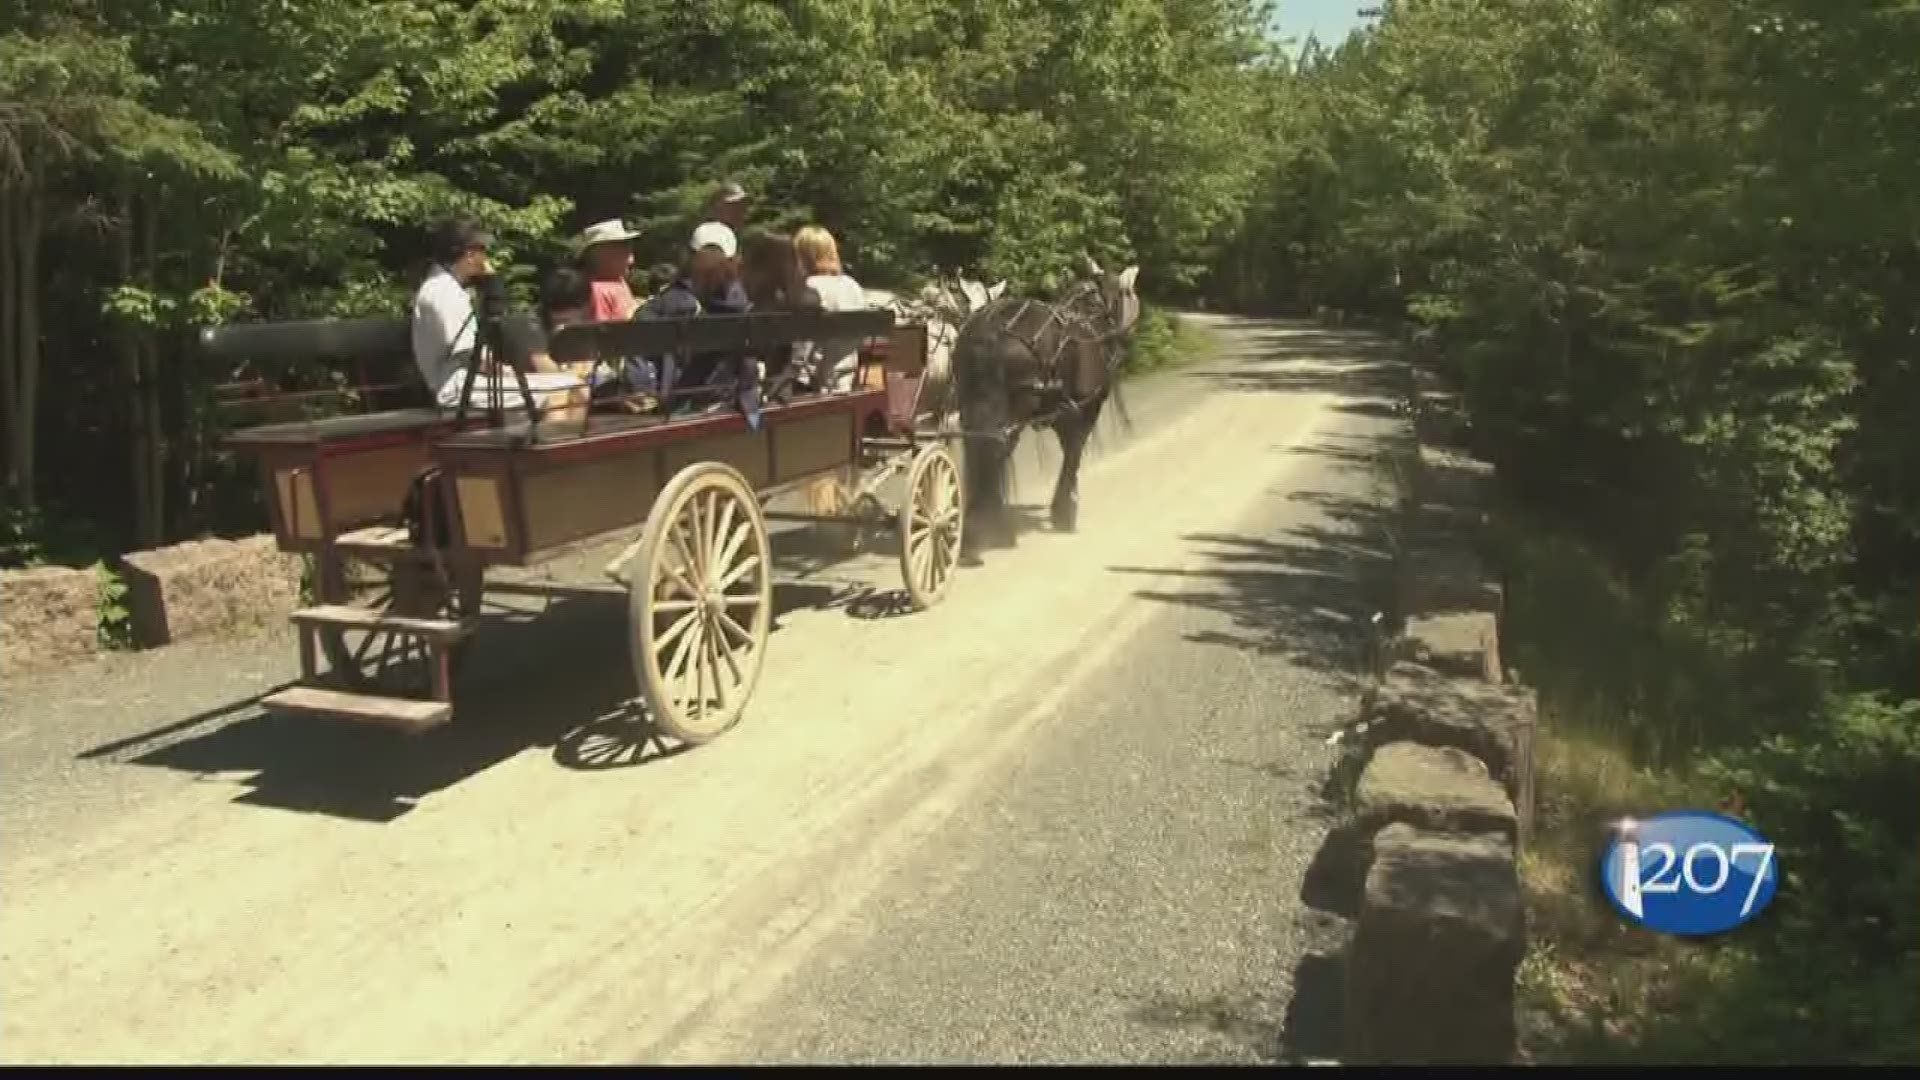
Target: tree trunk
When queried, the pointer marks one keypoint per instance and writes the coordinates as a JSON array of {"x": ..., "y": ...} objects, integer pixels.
[
  {"x": 26, "y": 267},
  {"x": 9, "y": 342},
  {"x": 130, "y": 368},
  {"x": 153, "y": 517}
]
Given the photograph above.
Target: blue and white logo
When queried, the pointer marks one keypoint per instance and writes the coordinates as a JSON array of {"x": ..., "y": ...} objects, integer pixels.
[{"x": 1689, "y": 873}]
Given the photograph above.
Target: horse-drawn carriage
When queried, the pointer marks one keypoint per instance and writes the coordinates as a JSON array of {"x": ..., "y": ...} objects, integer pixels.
[{"x": 404, "y": 511}]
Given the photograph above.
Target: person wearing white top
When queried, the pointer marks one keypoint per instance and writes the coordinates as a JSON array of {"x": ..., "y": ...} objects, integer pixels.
[
  {"x": 446, "y": 329},
  {"x": 834, "y": 363}
]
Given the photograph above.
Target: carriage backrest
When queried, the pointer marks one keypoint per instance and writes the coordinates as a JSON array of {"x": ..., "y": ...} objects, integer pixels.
[
  {"x": 375, "y": 354},
  {"x": 716, "y": 333}
]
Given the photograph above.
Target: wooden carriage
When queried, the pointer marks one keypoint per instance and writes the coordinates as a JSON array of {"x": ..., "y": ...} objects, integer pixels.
[{"x": 403, "y": 511}]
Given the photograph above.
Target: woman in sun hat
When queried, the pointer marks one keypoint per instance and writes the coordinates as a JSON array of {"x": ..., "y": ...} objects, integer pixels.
[{"x": 606, "y": 253}]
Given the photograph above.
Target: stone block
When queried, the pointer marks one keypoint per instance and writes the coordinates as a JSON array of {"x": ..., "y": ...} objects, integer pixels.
[
  {"x": 49, "y": 616},
  {"x": 1440, "y": 415},
  {"x": 1440, "y": 578},
  {"x": 1441, "y": 788},
  {"x": 1453, "y": 479},
  {"x": 1495, "y": 724},
  {"x": 1437, "y": 943},
  {"x": 1465, "y": 644},
  {"x": 207, "y": 587},
  {"x": 1438, "y": 524}
]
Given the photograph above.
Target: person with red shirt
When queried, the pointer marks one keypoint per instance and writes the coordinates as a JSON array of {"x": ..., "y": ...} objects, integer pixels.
[{"x": 606, "y": 253}]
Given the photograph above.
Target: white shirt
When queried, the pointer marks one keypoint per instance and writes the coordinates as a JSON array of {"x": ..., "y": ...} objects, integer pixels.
[
  {"x": 445, "y": 328},
  {"x": 835, "y": 361},
  {"x": 444, "y": 331}
]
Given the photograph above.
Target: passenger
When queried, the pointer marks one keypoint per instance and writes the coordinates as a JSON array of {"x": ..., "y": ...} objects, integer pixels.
[
  {"x": 728, "y": 205},
  {"x": 834, "y": 364},
  {"x": 566, "y": 299},
  {"x": 606, "y": 252},
  {"x": 660, "y": 277},
  {"x": 708, "y": 285},
  {"x": 446, "y": 330}
]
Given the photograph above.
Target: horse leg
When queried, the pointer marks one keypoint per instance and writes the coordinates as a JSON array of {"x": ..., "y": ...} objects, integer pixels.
[
  {"x": 984, "y": 476},
  {"x": 1073, "y": 427}
]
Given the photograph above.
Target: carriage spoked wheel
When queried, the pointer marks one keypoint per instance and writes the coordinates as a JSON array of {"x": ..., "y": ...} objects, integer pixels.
[
  {"x": 930, "y": 524},
  {"x": 701, "y": 599},
  {"x": 392, "y": 662}
]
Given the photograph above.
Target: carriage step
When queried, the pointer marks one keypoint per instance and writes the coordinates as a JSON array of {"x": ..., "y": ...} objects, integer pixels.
[
  {"x": 405, "y": 714},
  {"x": 343, "y": 616},
  {"x": 376, "y": 541}
]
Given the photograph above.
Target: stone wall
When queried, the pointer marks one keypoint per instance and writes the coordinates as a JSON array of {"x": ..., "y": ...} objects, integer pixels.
[
  {"x": 1436, "y": 781},
  {"x": 49, "y": 617},
  {"x": 207, "y": 587}
]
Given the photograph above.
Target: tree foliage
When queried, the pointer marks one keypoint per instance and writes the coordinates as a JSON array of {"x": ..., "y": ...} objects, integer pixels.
[
  {"x": 192, "y": 161},
  {"x": 1672, "y": 253}
]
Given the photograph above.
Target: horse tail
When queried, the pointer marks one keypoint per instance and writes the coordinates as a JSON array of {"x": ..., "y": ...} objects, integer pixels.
[
  {"x": 977, "y": 378},
  {"x": 1114, "y": 393}
]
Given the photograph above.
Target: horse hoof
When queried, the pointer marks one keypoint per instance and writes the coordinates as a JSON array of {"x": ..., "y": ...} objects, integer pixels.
[{"x": 1065, "y": 521}]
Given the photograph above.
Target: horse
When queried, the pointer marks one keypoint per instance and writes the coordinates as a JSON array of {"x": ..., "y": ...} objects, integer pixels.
[
  {"x": 944, "y": 311},
  {"x": 1023, "y": 363}
]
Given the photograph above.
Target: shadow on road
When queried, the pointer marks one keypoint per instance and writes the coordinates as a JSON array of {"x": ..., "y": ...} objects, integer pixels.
[
  {"x": 1242, "y": 1020},
  {"x": 1310, "y": 1030},
  {"x": 1307, "y": 595},
  {"x": 1309, "y": 592},
  {"x": 1274, "y": 357},
  {"x": 1316, "y": 1013},
  {"x": 558, "y": 676}
]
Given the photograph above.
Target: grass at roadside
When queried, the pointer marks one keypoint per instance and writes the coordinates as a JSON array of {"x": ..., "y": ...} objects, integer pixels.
[
  {"x": 1637, "y": 717},
  {"x": 1590, "y": 981},
  {"x": 1163, "y": 340}
]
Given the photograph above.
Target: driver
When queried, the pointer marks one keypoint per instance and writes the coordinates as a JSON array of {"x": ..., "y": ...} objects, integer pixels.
[{"x": 446, "y": 330}]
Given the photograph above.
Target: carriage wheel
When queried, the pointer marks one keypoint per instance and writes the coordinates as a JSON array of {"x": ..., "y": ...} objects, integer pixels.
[
  {"x": 385, "y": 661},
  {"x": 930, "y": 524},
  {"x": 701, "y": 601}
]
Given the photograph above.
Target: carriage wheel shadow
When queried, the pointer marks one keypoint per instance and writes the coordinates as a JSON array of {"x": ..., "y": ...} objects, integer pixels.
[
  {"x": 555, "y": 676},
  {"x": 623, "y": 739}
]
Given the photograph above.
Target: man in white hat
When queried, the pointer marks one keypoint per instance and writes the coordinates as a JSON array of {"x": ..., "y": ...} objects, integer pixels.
[{"x": 606, "y": 253}]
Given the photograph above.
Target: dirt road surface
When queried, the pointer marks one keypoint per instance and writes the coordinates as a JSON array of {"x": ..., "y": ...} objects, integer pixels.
[{"x": 1062, "y": 817}]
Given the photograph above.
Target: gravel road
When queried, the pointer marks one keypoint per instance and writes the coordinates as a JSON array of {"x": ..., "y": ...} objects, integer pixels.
[{"x": 1062, "y": 817}]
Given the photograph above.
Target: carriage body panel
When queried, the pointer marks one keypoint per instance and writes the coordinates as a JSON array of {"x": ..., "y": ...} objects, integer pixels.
[
  {"x": 326, "y": 478},
  {"x": 519, "y": 501}
]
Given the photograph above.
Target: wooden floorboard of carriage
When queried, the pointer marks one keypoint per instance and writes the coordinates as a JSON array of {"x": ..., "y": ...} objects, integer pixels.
[{"x": 1075, "y": 791}]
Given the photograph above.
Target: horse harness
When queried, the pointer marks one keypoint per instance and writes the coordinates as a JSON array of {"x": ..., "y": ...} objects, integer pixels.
[{"x": 1085, "y": 327}]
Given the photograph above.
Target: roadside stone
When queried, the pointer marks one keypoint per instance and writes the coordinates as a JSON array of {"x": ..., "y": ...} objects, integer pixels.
[
  {"x": 1442, "y": 788},
  {"x": 1435, "y": 579},
  {"x": 1436, "y": 524},
  {"x": 1451, "y": 478},
  {"x": 1439, "y": 938},
  {"x": 1495, "y": 724},
  {"x": 1464, "y": 644},
  {"x": 205, "y": 587},
  {"x": 49, "y": 616}
]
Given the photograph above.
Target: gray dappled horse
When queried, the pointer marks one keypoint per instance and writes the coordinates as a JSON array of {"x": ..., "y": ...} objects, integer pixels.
[
  {"x": 1030, "y": 363},
  {"x": 943, "y": 309}
]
